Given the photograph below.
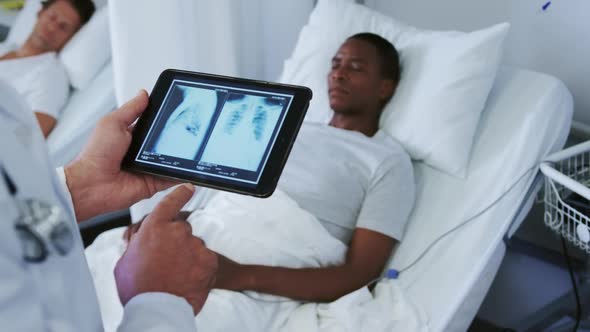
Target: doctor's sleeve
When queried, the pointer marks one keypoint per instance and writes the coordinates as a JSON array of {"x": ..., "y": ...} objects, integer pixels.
[{"x": 158, "y": 312}]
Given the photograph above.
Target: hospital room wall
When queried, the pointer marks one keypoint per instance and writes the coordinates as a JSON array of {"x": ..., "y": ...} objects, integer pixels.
[
  {"x": 554, "y": 41},
  {"x": 267, "y": 32}
]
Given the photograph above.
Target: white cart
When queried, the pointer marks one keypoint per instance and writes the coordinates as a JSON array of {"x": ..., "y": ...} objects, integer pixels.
[
  {"x": 567, "y": 174},
  {"x": 567, "y": 211}
]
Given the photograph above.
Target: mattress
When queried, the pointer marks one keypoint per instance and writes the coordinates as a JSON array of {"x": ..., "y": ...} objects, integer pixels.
[
  {"x": 527, "y": 117},
  {"x": 80, "y": 115}
]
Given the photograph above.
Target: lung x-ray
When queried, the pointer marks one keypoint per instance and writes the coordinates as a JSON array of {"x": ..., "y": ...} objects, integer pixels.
[
  {"x": 248, "y": 124},
  {"x": 216, "y": 126},
  {"x": 186, "y": 126}
]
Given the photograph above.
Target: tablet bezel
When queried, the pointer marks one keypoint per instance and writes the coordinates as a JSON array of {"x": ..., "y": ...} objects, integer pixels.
[{"x": 277, "y": 156}]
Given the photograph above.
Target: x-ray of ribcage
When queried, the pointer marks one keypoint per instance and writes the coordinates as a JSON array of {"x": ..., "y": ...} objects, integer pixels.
[
  {"x": 186, "y": 127},
  {"x": 259, "y": 122},
  {"x": 245, "y": 127}
]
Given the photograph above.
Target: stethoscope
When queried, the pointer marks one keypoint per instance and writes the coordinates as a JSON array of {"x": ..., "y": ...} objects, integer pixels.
[{"x": 40, "y": 226}]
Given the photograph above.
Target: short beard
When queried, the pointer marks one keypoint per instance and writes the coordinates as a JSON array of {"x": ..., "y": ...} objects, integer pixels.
[{"x": 345, "y": 111}]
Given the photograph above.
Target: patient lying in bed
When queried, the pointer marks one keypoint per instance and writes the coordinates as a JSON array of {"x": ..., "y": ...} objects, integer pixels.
[
  {"x": 33, "y": 68},
  {"x": 343, "y": 201}
]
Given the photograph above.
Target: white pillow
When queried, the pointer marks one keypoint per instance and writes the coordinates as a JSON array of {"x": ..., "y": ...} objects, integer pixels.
[
  {"x": 88, "y": 51},
  {"x": 446, "y": 78}
]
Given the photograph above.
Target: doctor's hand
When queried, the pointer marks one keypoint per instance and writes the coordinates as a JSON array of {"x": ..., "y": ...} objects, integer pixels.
[
  {"x": 95, "y": 179},
  {"x": 132, "y": 229},
  {"x": 164, "y": 256}
]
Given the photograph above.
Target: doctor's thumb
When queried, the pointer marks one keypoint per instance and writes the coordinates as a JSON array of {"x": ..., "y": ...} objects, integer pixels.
[
  {"x": 131, "y": 110},
  {"x": 171, "y": 204}
]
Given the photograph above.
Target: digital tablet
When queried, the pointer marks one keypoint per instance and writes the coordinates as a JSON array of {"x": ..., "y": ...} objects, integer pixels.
[{"x": 221, "y": 132}]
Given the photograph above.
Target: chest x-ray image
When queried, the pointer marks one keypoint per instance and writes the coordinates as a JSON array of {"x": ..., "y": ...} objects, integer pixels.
[
  {"x": 243, "y": 131},
  {"x": 186, "y": 127}
]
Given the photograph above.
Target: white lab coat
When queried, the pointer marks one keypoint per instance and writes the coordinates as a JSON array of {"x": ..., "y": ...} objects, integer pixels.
[{"x": 57, "y": 294}]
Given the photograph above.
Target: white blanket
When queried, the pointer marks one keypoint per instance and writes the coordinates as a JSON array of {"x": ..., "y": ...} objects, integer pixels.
[{"x": 276, "y": 232}]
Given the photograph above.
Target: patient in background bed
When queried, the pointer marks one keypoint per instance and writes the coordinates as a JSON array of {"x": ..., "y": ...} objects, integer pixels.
[
  {"x": 350, "y": 175},
  {"x": 33, "y": 68}
]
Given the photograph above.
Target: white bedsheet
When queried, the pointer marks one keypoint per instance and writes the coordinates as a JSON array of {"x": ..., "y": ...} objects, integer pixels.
[
  {"x": 273, "y": 231},
  {"x": 386, "y": 309},
  {"x": 527, "y": 116},
  {"x": 80, "y": 115}
]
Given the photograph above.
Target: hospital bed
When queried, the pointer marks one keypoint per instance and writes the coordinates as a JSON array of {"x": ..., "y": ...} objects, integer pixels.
[
  {"x": 87, "y": 59},
  {"x": 447, "y": 263},
  {"x": 456, "y": 236},
  {"x": 527, "y": 116}
]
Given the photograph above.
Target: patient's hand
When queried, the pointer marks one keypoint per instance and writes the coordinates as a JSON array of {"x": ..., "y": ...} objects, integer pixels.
[
  {"x": 163, "y": 256},
  {"x": 95, "y": 179},
  {"x": 230, "y": 275}
]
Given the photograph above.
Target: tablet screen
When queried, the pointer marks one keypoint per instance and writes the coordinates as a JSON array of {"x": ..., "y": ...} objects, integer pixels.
[{"x": 221, "y": 131}]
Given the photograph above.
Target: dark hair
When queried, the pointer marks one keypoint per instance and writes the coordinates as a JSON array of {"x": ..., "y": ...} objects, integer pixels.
[
  {"x": 85, "y": 8},
  {"x": 388, "y": 56}
]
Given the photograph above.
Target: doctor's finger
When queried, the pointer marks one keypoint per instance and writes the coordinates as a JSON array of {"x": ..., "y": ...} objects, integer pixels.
[
  {"x": 169, "y": 207},
  {"x": 131, "y": 110}
]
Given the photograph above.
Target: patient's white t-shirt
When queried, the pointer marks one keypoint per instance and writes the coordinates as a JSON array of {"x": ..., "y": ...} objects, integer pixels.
[
  {"x": 41, "y": 80},
  {"x": 342, "y": 177},
  {"x": 349, "y": 180}
]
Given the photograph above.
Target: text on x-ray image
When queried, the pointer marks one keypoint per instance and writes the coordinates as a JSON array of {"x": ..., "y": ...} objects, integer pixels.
[
  {"x": 186, "y": 127},
  {"x": 248, "y": 124}
]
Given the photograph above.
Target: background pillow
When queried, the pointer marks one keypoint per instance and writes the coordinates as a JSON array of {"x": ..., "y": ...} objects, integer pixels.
[
  {"x": 446, "y": 78},
  {"x": 88, "y": 51}
]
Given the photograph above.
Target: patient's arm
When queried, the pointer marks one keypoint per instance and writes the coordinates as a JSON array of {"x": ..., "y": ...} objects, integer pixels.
[
  {"x": 365, "y": 259},
  {"x": 46, "y": 122}
]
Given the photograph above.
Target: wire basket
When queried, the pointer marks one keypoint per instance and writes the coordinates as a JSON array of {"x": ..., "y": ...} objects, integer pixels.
[{"x": 567, "y": 194}]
